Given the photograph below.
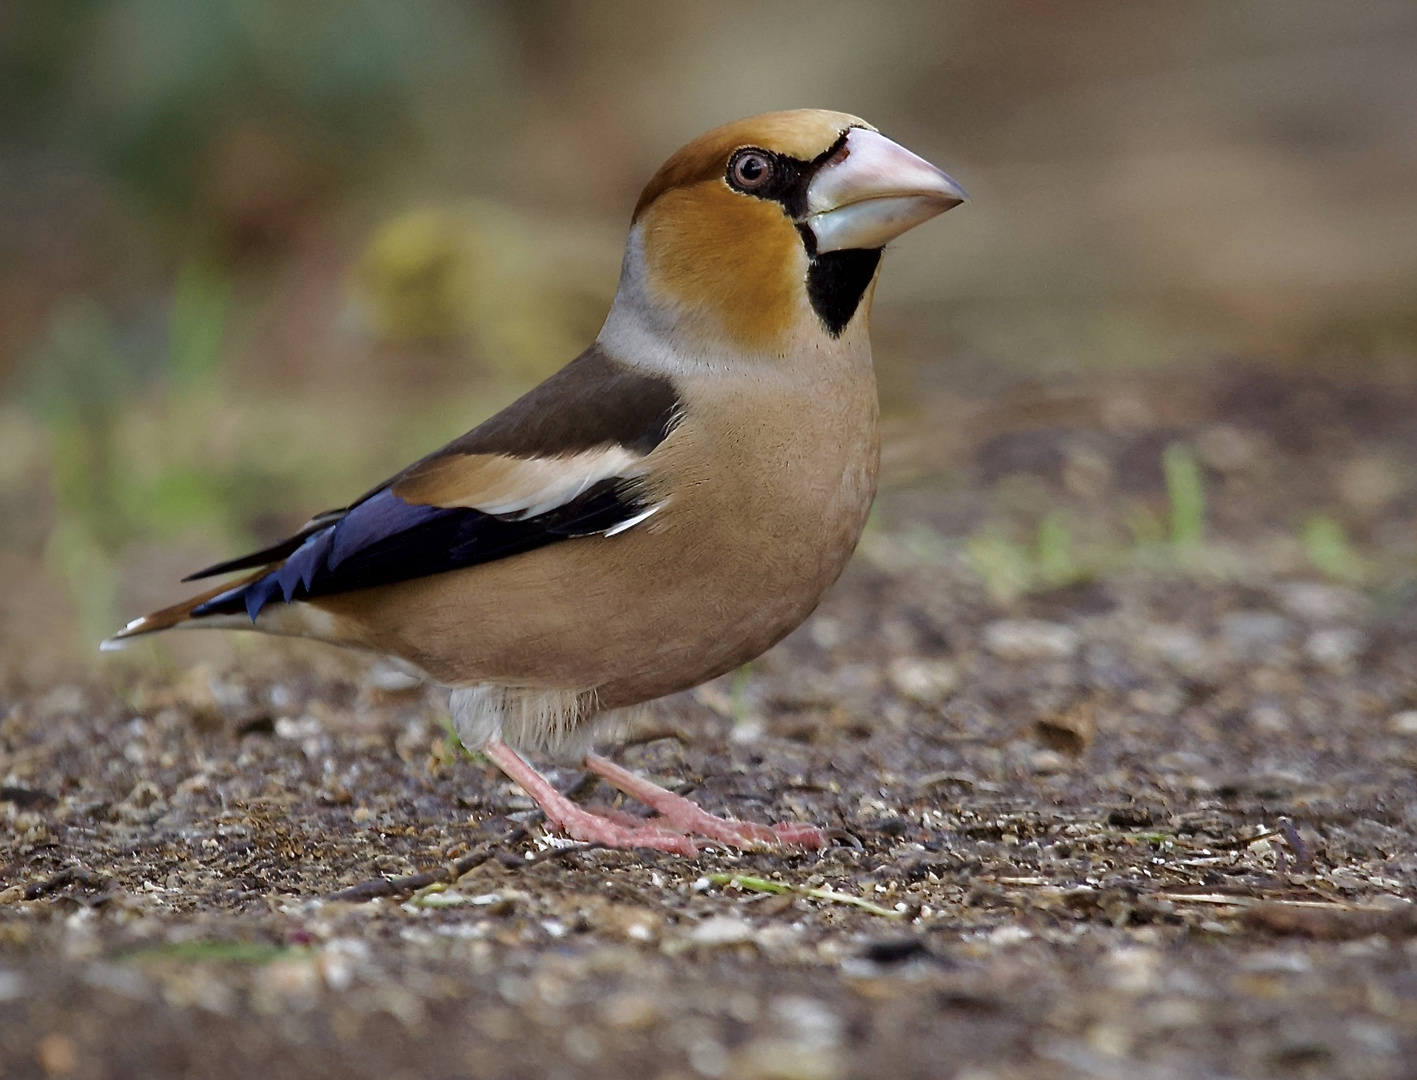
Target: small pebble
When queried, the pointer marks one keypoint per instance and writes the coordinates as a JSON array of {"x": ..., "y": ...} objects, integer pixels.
[
  {"x": 1133, "y": 969},
  {"x": 1403, "y": 723},
  {"x": 1009, "y": 934},
  {"x": 783, "y": 1059},
  {"x": 57, "y": 1055},
  {"x": 306, "y": 727},
  {"x": 826, "y": 633},
  {"x": 1316, "y": 602},
  {"x": 1336, "y": 648},
  {"x": 1046, "y": 762},
  {"x": 1030, "y": 639},
  {"x": 809, "y": 1022},
  {"x": 1253, "y": 635},
  {"x": 1269, "y": 719},
  {"x": 926, "y": 681},
  {"x": 1347, "y": 880},
  {"x": 1369, "y": 484},
  {"x": 1176, "y": 645},
  {"x": 721, "y": 930},
  {"x": 12, "y": 985}
]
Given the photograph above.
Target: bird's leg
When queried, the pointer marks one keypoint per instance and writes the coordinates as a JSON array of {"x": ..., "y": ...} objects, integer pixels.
[
  {"x": 688, "y": 816},
  {"x": 576, "y": 821}
]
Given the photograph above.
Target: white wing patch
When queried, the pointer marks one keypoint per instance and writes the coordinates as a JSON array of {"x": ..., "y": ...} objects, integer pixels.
[
  {"x": 520, "y": 488},
  {"x": 525, "y": 487}
]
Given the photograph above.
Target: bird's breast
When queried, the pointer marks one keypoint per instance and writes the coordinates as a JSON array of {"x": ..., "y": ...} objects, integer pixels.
[{"x": 767, "y": 496}]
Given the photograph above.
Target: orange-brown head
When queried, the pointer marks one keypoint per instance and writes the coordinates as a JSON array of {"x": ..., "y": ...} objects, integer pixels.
[{"x": 761, "y": 224}]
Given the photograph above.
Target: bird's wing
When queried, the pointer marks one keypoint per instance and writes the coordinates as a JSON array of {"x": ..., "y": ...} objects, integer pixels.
[{"x": 569, "y": 459}]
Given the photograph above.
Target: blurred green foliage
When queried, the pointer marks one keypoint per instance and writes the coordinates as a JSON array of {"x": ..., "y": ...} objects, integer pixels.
[
  {"x": 1055, "y": 557},
  {"x": 83, "y": 382},
  {"x": 146, "y": 89},
  {"x": 1185, "y": 490},
  {"x": 200, "y": 302},
  {"x": 1329, "y": 551},
  {"x": 1011, "y": 569}
]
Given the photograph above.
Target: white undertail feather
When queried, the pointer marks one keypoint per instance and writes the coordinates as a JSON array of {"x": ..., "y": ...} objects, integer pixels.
[{"x": 526, "y": 718}]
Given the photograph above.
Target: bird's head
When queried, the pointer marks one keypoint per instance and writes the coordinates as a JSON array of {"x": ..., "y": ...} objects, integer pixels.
[{"x": 764, "y": 227}]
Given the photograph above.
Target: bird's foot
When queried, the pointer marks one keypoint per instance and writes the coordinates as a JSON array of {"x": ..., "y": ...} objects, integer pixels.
[
  {"x": 589, "y": 827},
  {"x": 579, "y": 823},
  {"x": 688, "y": 817}
]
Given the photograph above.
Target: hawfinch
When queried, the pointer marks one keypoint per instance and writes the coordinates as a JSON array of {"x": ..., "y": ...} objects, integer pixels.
[{"x": 661, "y": 510}]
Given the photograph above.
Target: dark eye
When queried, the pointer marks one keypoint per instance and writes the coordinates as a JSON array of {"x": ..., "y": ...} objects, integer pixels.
[{"x": 749, "y": 170}]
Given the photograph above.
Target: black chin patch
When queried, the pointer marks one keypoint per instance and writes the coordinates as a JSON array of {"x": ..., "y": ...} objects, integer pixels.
[{"x": 836, "y": 282}]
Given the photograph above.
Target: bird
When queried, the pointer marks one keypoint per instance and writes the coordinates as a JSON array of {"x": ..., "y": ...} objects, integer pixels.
[{"x": 658, "y": 512}]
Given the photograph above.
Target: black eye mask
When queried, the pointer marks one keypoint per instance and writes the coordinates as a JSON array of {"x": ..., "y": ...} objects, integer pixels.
[{"x": 836, "y": 280}]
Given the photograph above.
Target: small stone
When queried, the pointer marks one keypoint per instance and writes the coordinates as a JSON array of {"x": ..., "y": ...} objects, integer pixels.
[
  {"x": 1175, "y": 645},
  {"x": 1253, "y": 635},
  {"x": 721, "y": 930},
  {"x": 1336, "y": 648},
  {"x": 1269, "y": 719},
  {"x": 1131, "y": 817},
  {"x": 1369, "y": 484},
  {"x": 1109, "y": 1039},
  {"x": 1277, "y": 962},
  {"x": 809, "y": 1022},
  {"x": 582, "y": 1044},
  {"x": 1030, "y": 639},
  {"x": 707, "y": 1057},
  {"x": 826, "y": 633},
  {"x": 1403, "y": 723},
  {"x": 783, "y": 1059},
  {"x": 1347, "y": 880},
  {"x": 1009, "y": 934},
  {"x": 287, "y": 985},
  {"x": 306, "y": 727},
  {"x": 1175, "y": 761},
  {"x": 1069, "y": 731},
  {"x": 57, "y": 1055},
  {"x": 1175, "y": 1013},
  {"x": 1317, "y": 602},
  {"x": 630, "y": 1010},
  {"x": 1047, "y": 762},
  {"x": 1227, "y": 449},
  {"x": 12, "y": 985},
  {"x": 1133, "y": 969},
  {"x": 925, "y": 681}
]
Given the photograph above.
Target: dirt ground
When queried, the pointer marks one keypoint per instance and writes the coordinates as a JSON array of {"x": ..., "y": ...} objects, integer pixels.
[{"x": 1115, "y": 800}]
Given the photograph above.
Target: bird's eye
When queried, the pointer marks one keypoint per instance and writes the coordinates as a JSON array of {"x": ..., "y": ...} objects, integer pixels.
[{"x": 750, "y": 170}]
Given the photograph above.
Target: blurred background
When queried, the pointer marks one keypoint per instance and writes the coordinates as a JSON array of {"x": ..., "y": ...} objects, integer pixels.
[{"x": 256, "y": 255}]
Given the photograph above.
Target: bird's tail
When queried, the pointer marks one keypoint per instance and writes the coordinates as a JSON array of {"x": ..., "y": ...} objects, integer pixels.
[{"x": 185, "y": 612}]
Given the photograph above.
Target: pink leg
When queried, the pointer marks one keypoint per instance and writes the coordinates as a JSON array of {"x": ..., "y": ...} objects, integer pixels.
[
  {"x": 689, "y": 817},
  {"x": 577, "y": 822}
]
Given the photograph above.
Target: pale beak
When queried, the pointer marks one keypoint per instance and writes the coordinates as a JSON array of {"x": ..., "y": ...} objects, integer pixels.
[{"x": 876, "y": 192}]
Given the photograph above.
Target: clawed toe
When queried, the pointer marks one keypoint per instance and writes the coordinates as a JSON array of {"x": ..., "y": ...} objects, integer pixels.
[
  {"x": 797, "y": 834},
  {"x": 592, "y": 828}
]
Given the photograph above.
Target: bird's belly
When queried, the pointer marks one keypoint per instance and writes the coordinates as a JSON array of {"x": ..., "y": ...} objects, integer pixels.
[{"x": 721, "y": 608}]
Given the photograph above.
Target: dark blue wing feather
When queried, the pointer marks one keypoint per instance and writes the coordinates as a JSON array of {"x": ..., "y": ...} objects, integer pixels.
[{"x": 384, "y": 539}]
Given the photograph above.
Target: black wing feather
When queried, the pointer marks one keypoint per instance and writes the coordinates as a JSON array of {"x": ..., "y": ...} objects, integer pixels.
[
  {"x": 384, "y": 540},
  {"x": 274, "y": 553}
]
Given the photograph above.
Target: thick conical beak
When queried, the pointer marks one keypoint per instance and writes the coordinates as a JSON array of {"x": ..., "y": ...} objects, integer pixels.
[{"x": 873, "y": 194}]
